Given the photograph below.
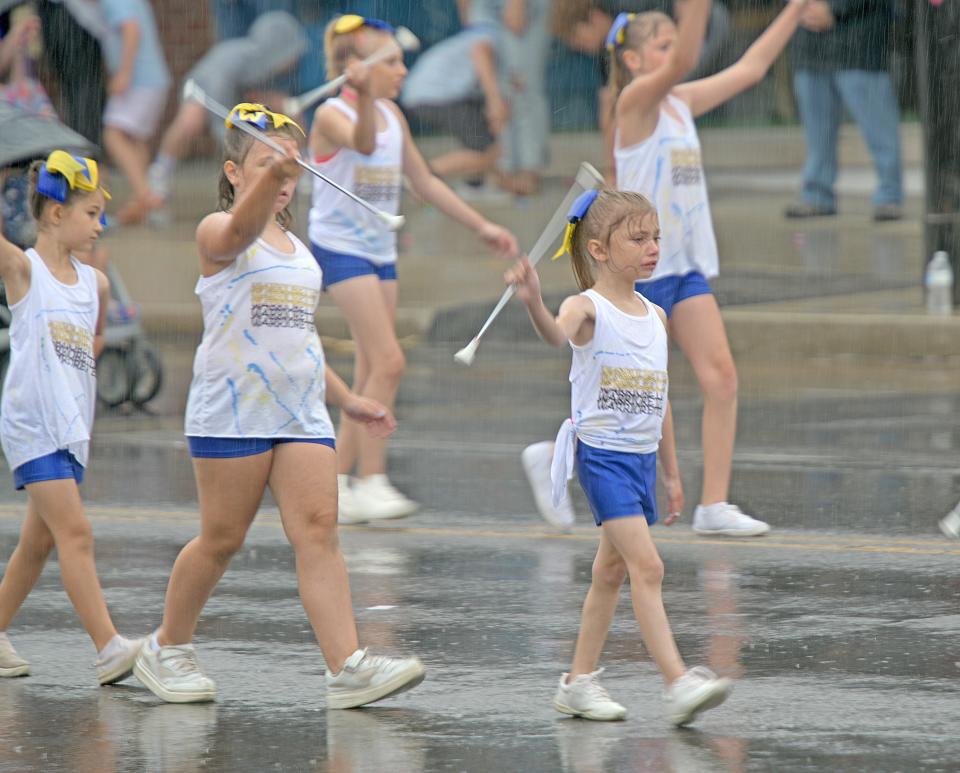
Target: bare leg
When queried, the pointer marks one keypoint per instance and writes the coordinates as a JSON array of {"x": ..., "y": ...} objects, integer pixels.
[
  {"x": 189, "y": 123},
  {"x": 697, "y": 327},
  {"x": 370, "y": 307},
  {"x": 465, "y": 162},
  {"x": 631, "y": 538},
  {"x": 25, "y": 565},
  {"x": 230, "y": 491},
  {"x": 57, "y": 503},
  {"x": 599, "y": 607},
  {"x": 132, "y": 157},
  {"x": 304, "y": 484}
]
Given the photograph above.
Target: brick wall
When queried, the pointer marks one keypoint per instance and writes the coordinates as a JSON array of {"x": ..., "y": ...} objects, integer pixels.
[{"x": 186, "y": 30}]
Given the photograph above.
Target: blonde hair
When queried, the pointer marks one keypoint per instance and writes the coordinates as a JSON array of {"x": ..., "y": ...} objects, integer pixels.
[
  {"x": 236, "y": 146},
  {"x": 639, "y": 30},
  {"x": 340, "y": 49},
  {"x": 609, "y": 211}
]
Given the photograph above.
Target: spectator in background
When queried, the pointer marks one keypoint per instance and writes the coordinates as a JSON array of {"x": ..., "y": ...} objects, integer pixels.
[
  {"x": 840, "y": 59},
  {"x": 19, "y": 31},
  {"x": 139, "y": 82},
  {"x": 232, "y": 68},
  {"x": 453, "y": 87},
  {"x": 73, "y": 35},
  {"x": 524, "y": 45}
]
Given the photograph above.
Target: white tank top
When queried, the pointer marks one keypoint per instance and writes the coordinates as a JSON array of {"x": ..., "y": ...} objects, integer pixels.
[
  {"x": 666, "y": 168},
  {"x": 341, "y": 225},
  {"x": 618, "y": 381},
  {"x": 260, "y": 370},
  {"x": 51, "y": 387}
]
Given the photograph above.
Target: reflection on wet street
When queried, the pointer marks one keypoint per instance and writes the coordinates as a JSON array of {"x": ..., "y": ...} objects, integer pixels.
[{"x": 840, "y": 627}]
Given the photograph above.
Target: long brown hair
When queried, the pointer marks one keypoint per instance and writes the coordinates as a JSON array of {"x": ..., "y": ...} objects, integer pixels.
[
  {"x": 236, "y": 145},
  {"x": 607, "y": 213},
  {"x": 639, "y": 30}
]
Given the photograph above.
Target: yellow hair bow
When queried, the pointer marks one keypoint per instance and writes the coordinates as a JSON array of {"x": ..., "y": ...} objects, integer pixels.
[
  {"x": 63, "y": 172},
  {"x": 578, "y": 210},
  {"x": 256, "y": 114}
]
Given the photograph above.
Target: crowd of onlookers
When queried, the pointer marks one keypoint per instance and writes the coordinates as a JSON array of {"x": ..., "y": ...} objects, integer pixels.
[{"x": 486, "y": 85}]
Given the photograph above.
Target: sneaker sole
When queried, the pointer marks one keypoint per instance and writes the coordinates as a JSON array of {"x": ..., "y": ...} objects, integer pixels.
[
  {"x": 711, "y": 697},
  {"x": 112, "y": 677},
  {"x": 171, "y": 696},
  {"x": 10, "y": 673},
  {"x": 564, "y": 709},
  {"x": 406, "y": 680},
  {"x": 759, "y": 531}
]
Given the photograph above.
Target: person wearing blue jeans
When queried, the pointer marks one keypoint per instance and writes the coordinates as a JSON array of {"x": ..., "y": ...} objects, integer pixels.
[{"x": 840, "y": 60}]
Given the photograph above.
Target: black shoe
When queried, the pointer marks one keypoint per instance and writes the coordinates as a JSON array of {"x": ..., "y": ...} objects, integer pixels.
[
  {"x": 803, "y": 209},
  {"x": 887, "y": 212}
]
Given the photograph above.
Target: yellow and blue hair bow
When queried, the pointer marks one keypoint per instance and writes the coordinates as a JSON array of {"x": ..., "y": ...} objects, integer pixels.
[
  {"x": 257, "y": 115},
  {"x": 617, "y": 35},
  {"x": 578, "y": 211},
  {"x": 351, "y": 22},
  {"x": 62, "y": 173}
]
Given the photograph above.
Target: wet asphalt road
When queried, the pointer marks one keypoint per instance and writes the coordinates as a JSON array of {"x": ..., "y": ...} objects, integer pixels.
[{"x": 841, "y": 626}]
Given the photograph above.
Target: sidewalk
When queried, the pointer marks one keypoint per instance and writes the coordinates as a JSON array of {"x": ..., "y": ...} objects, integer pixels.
[{"x": 841, "y": 285}]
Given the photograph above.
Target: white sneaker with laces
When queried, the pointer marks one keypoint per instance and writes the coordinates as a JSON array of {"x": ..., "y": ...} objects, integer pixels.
[
  {"x": 367, "y": 678},
  {"x": 115, "y": 661},
  {"x": 173, "y": 674},
  {"x": 11, "y": 664},
  {"x": 586, "y": 697},
  {"x": 536, "y": 460},
  {"x": 950, "y": 523},
  {"x": 375, "y": 499},
  {"x": 726, "y": 520},
  {"x": 697, "y": 690},
  {"x": 346, "y": 505}
]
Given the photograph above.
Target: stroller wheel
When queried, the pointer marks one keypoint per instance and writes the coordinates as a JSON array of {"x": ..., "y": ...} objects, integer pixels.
[
  {"x": 113, "y": 377},
  {"x": 146, "y": 373}
]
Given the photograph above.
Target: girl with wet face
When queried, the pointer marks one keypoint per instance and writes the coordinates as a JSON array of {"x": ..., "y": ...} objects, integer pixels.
[
  {"x": 58, "y": 308},
  {"x": 361, "y": 140},
  {"x": 620, "y": 419},
  {"x": 256, "y": 417}
]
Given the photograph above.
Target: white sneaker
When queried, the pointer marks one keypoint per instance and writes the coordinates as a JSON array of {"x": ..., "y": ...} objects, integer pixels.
[
  {"x": 173, "y": 674},
  {"x": 11, "y": 664},
  {"x": 115, "y": 661},
  {"x": 726, "y": 520},
  {"x": 536, "y": 461},
  {"x": 586, "y": 697},
  {"x": 697, "y": 690},
  {"x": 346, "y": 504},
  {"x": 950, "y": 523},
  {"x": 375, "y": 499},
  {"x": 368, "y": 678}
]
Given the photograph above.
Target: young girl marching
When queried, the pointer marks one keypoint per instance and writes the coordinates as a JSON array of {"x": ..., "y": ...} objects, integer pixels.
[
  {"x": 361, "y": 140},
  {"x": 619, "y": 412},
  {"x": 58, "y": 307},
  {"x": 657, "y": 153},
  {"x": 256, "y": 417}
]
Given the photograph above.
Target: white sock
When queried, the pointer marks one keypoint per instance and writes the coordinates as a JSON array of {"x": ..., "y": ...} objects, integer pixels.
[
  {"x": 112, "y": 647},
  {"x": 154, "y": 644},
  {"x": 165, "y": 164}
]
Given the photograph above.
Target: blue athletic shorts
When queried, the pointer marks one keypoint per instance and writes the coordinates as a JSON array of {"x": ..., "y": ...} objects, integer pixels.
[
  {"x": 60, "y": 465},
  {"x": 618, "y": 484},
  {"x": 336, "y": 266},
  {"x": 234, "y": 447},
  {"x": 668, "y": 291}
]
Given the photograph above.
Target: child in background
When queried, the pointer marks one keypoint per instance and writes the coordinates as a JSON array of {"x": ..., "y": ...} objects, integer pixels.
[
  {"x": 620, "y": 416},
  {"x": 58, "y": 307},
  {"x": 256, "y": 417},
  {"x": 274, "y": 44},
  {"x": 138, "y": 87},
  {"x": 361, "y": 140}
]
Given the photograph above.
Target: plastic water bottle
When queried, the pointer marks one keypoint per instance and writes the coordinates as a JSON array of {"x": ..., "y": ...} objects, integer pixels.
[{"x": 938, "y": 284}]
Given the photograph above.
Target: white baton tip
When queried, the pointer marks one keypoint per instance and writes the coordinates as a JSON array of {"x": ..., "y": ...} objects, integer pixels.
[{"x": 467, "y": 354}]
